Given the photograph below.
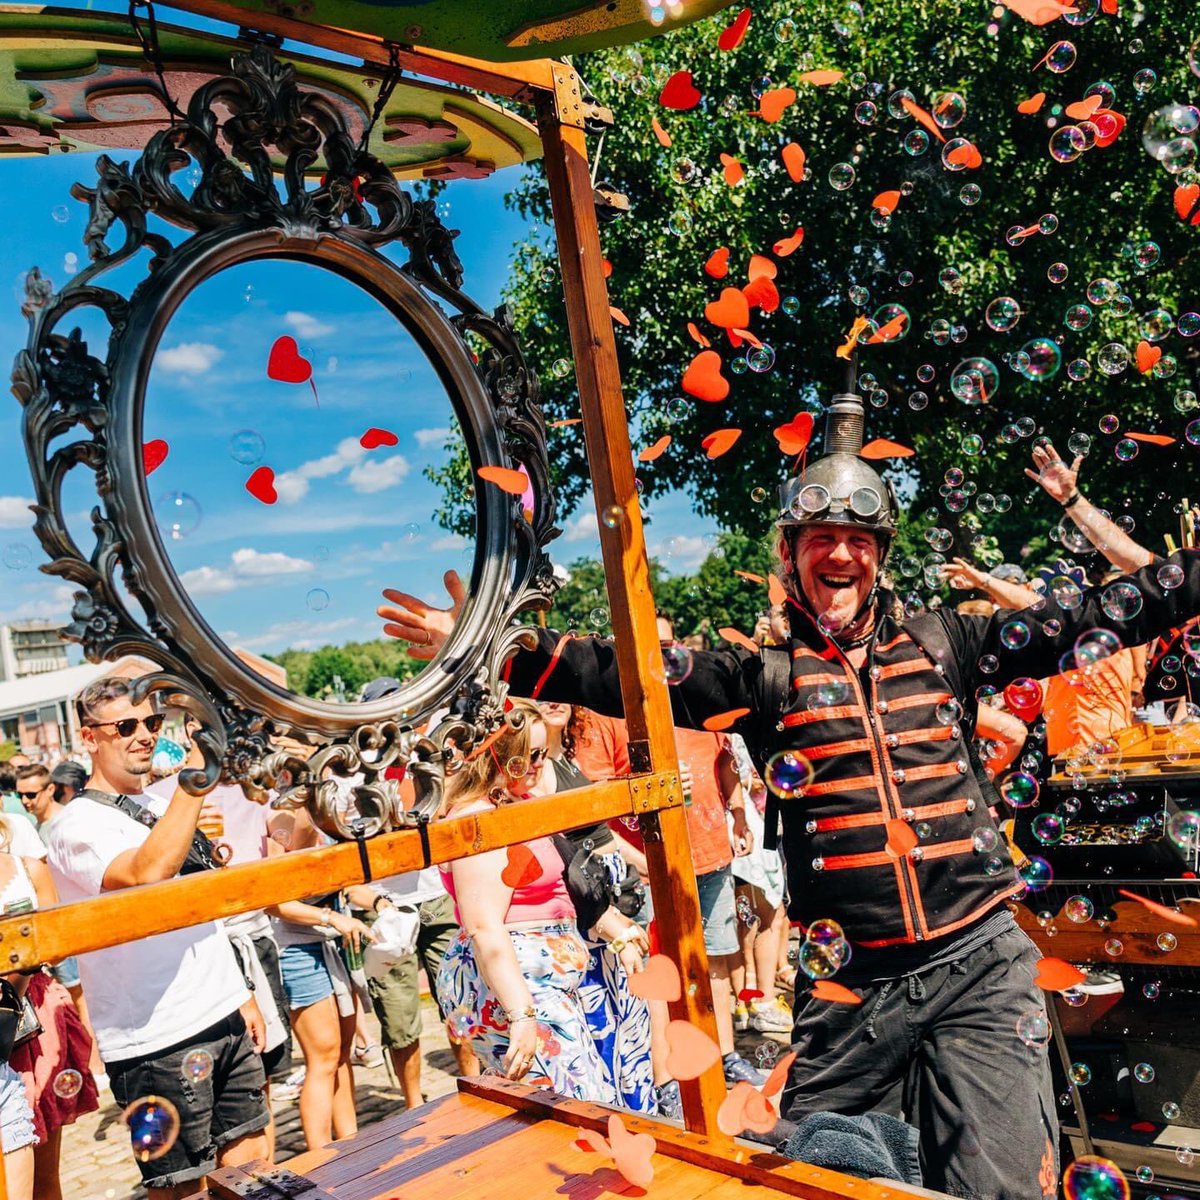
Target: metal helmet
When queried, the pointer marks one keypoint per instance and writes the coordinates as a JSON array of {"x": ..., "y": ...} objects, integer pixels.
[{"x": 840, "y": 488}]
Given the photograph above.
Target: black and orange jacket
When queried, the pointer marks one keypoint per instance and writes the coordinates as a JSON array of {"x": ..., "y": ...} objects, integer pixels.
[{"x": 893, "y": 837}]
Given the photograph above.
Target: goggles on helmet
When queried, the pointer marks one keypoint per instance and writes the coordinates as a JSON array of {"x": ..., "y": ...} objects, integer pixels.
[{"x": 814, "y": 501}]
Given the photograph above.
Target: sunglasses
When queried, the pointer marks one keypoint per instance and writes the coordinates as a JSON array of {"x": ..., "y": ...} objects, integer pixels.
[
  {"x": 536, "y": 758},
  {"x": 127, "y": 726},
  {"x": 35, "y": 792}
]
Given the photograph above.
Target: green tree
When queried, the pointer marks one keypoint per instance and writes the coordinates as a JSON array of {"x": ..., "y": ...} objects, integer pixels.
[{"x": 940, "y": 255}]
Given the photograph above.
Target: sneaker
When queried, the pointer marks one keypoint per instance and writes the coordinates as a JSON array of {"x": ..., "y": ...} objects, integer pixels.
[
  {"x": 101, "y": 1079},
  {"x": 775, "y": 1017},
  {"x": 370, "y": 1055},
  {"x": 738, "y": 1070},
  {"x": 1102, "y": 983},
  {"x": 289, "y": 1089},
  {"x": 670, "y": 1102},
  {"x": 741, "y": 1017}
]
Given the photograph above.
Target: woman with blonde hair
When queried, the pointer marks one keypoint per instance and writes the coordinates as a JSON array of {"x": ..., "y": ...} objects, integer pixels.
[{"x": 510, "y": 980}]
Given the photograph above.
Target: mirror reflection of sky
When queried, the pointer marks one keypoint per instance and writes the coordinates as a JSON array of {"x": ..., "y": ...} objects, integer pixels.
[{"x": 306, "y": 571}]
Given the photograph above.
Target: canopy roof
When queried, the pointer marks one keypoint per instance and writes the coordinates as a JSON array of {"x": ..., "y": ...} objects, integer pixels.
[{"x": 73, "y": 80}]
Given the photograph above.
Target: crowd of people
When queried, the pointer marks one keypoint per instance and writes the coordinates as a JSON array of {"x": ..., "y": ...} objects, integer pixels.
[{"x": 529, "y": 951}]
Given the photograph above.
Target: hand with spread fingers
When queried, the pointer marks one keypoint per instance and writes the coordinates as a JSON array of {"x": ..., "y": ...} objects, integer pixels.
[
  {"x": 962, "y": 574},
  {"x": 1056, "y": 478},
  {"x": 412, "y": 620}
]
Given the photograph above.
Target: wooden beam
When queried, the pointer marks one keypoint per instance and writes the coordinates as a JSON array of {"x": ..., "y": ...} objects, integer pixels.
[
  {"x": 627, "y": 572},
  {"x": 718, "y": 1152},
  {"x": 123, "y": 916},
  {"x": 501, "y": 79},
  {"x": 1136, "y": 928}
]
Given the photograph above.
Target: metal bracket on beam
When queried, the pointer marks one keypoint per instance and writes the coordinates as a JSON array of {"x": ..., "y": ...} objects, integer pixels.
[
  {"x": 16, "y": 941},
  {"x": 570, "y": 108}
]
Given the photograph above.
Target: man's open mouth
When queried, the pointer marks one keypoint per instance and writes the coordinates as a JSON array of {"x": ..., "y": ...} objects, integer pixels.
[{"x": 837, "y": 581}]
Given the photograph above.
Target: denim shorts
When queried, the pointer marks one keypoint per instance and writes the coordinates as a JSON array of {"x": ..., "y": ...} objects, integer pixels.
[
  {"x": 16, "y": 1118},
  {"x": 213, "y": 1112},
  {"x": 718, "y": 911},
  {"x": 305, "y": 976}
]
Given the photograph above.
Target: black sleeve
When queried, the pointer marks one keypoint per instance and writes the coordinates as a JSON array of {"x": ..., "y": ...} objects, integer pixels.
[
  {"x": 1032, "y": 642},
  {"x": 585, "y": 673}
]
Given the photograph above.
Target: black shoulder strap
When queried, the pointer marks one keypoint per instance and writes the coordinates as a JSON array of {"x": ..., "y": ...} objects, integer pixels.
[{"x": 770, "y": 691}]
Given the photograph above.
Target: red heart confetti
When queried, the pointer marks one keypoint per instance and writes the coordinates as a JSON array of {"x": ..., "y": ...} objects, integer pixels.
[
  {"x": 505, "y": 478},
  {"x": 1055, "y": 975},
  {"x": 154, "y": 454},
  {"x": 793, "y": 438},
  {"x": 679, "y": 92},
  {"x": 1159, "y": 910},
  {"x": 374, "y": 438},
  {"x": 1033, "y": 104},
  {"x": 1147, "y": 356},
  {"x": 632, "y": 1153},
  {"x": 285, "y": 365},
  {"x": 658, "y": 980},
  {"x": 731, "y": 311},
  {"x": 664, "y": 138},
  {"x": 261, "y": 485},
  {"x": 522, "y": 868},
  {"x": 689, "y": 1052},
  {"x": 722, "y": 721},
  {"x": 821, "y": 78},
  {"x": 718, "y": 263},
  {"x": 789, "y": 245},
  {"x": 835, "y": 993},
  {"x": 652, "y": 452},
  {"x": 883, "y": 448},
  {"x": 774, "y": 103},
  {"x": 901, "y": 838},
  {"x": 793, "y": 159},
  {"x": 720, "y": 442},
  {"x": 732, "y": 35},
  {"x": 734, "y": 172},
  {"x": 703, "y": 378},
  {"x": 735, "y": 637},
  {"x": 1187, "y": 203}
]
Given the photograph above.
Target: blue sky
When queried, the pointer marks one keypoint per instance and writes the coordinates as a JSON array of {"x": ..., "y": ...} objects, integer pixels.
[{"x": 306, "y": 571}]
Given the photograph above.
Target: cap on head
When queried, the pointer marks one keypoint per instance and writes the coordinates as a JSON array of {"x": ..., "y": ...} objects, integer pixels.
[
  {"x": 72, "y": 774},
  {"x": 376, "y": 689},
  {"x": 840, "y": 488}
]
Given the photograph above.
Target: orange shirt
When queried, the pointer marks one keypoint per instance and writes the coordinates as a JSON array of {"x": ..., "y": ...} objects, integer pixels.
[
  {"x": 1085, "y": 707},
  {"x": 602, "y": 752}
]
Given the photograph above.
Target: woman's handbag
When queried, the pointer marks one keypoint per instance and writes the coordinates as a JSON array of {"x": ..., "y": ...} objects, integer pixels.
[{"x": 18, "y": 1020}]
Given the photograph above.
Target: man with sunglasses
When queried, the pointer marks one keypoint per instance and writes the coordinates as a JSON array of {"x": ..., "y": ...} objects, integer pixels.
[
  {"x": 155, "y": 1002},
  {"x": 863, "y": 722}
]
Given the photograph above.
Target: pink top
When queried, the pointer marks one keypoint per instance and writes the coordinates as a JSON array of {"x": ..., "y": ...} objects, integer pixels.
[{"x": 543, "y": 900}]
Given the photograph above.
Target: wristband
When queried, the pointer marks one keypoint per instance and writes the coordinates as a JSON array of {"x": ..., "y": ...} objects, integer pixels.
[
  {"x": 618, "y": 944},
  {"x": 1072, "y": 499},
  {"x": 382, "y": 898},
  {"x": 528, "y": 1013}
]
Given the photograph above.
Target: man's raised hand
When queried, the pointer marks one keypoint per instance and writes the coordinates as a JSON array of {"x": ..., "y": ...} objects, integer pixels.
[
  {"x": 425, "y": 627},
  {"x": 1057, "y": 479}
]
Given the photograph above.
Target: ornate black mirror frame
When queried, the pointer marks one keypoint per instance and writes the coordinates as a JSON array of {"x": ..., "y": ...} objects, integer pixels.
[{"x": 238, "y": 214}]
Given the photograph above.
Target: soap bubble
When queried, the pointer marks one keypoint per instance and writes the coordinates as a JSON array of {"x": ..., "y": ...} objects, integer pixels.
[
  {"x": 1113, "y": 358},
  {"x": 677, "y": 663},
  {"x": 819, "y": 960},
  {"x": 1060, "y": 57},
  {"x": 975, "y": 380},
  {"x": 1144, "y": 80},
  {"x": 1080, "y": 1073},
  {"x": 1170, "y": 576},
  {"x": 247, "y": 447},
  {"x": 1067, "y": 144},
  {"x": 948, "y": 712},
  {"x": 1109, "y": 423},
  {"x": 951, "y": 159},
  {"x": 1146, "y": 254},
  {"x": 1020, "y": 789},
  {"x": 1156, "y": 325},
  {"x": 1092, "y": 1178},
  {"x": 1101, "y": 291},
  {"x": 317, "y": 599},
  {"x": 153, "y": 1124},
  {"x": 1002, "y": 314},
  {"x": 1125, "y": 450},
  {"x": 1080, "y": 443},
  {"x": 68, "y": 1083},
  {"x": 178, "y": 514},
  {"x": 1037, "y": 874},
  {"x": 865, "y": 112},
  {"x": 916, "y": 142},
  {"x": 787, "y": 774},
  {"x": 1079, "y": 369},
  {"x": 970, "y": 194},
  {"x": 1057, "y": 272},
  {"x": 17, "y": 556},
  {"x": 1078, "y": 909},
  {"x": 1121, "y": 601},
  {"x": 1048, "y": 828},
  {"x": 1034, "y": 1029},
  {"x": 984, "y": 839},
  {"x": 1044, "y": 359},
  {"x": 949, "y": 109},
  {"x": 1171, "y": 1110},
  {"x": 1166, "y": 942},
  {"x": 1014, "y": 635},
  {"x": 197, "y": 1065},
  {"x": 893, "y": 312},
  {"x": 841, "y": 176},
  {"x": 612, "y": 516}
]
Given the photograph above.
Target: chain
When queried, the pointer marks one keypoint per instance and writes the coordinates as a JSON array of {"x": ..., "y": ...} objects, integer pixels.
[
  {"x": 387, "y": 86},
  {"x": 148, "y": 36}
]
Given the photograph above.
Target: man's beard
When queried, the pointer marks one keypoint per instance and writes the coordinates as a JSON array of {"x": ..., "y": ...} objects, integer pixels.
[{"x": 138, "y": 768}]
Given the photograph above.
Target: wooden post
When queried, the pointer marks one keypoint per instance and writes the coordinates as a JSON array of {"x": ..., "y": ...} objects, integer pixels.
[{"x": 605, "y": 427}]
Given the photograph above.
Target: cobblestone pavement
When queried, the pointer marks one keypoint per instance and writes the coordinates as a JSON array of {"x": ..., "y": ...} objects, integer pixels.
[{"x": 97, "y": 1164}]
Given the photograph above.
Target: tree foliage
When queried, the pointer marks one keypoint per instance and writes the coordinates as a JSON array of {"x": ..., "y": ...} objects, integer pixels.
[
  {"x": 341, "y": 671},
  {"x": 1115, "y": 221}
]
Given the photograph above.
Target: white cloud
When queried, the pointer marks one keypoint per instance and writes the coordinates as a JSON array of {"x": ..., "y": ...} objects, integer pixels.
[
  {"x": 582, "y": 529},
  {"x": 190, "y": 358},
  {"x": 378, "y": 474},
  {"x": 14, "y": 512},
  {"x": 246, "y": 568},
  {"x": 431, "y": 437},
  {"x": 306, "y": 325},
  {"x": 300, "y": 635},
  {"x": 292, "y": 486},
  {"x": 449, "y": 541},
  {"x": 681, "y": 554}
]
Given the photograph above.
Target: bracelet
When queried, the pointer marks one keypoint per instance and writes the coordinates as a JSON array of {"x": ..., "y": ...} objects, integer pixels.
[
  {"x": 618, "y": 944},
  {"x": 528, "y": 1013},
  {"x": 1072, "y": 499},
  {"x": 382, "y": 898}
]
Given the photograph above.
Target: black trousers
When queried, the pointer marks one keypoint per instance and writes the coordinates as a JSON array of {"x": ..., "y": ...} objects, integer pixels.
[{"x": 940, "y": 1050}]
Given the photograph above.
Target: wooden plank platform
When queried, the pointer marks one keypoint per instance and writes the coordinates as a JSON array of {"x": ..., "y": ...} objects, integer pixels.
[{"x": 496, "y": 1140}]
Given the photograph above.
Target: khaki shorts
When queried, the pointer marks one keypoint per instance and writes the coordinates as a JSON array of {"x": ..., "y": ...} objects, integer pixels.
[{"x": 396, "y": 997}]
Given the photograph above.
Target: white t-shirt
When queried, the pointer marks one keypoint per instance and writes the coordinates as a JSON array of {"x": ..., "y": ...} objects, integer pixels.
[
  {"x": 23, "y": 840},
  {"x": 414, "y": 887},
  {"x": 145, "y": 995}
]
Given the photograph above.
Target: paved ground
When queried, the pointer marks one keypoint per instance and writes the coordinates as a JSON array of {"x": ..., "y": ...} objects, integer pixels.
[{"x": 97, "y": 1164}]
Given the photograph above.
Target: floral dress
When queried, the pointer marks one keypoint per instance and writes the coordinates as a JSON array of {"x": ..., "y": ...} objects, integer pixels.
[{"x": 553, "y": 959}]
